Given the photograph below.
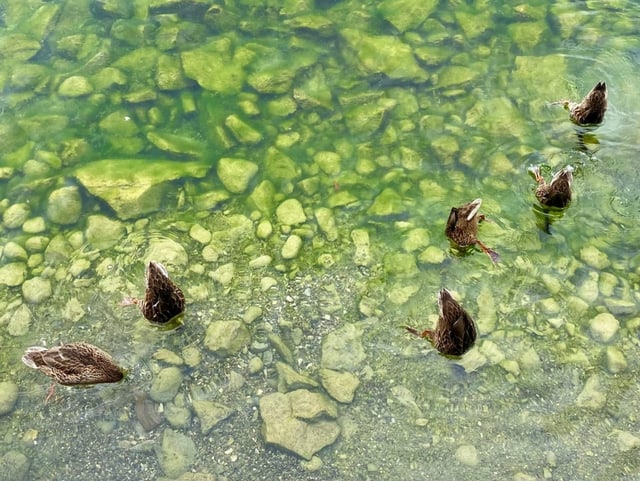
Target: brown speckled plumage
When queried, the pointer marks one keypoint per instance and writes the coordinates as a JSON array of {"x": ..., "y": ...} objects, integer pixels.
[
  {"x": 455, "y": 332},
  {"x": 462, "y": 227},
  {"x": 592, "y": 108},
  {"x": 556, "y": 193}
]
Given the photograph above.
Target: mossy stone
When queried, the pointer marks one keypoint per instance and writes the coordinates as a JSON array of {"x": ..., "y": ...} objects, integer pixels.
[{"x": 236, "y": 174}]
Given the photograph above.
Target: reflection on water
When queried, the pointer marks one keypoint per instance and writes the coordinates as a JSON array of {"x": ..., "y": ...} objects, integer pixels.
[{"x": 293, "y": 167}]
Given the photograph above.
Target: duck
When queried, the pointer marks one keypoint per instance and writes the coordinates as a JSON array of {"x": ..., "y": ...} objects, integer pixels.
[
  {"x": 455, "y": 332},
  {"x": 592, "y": 108},
  {"x": 73, "y": 364},
  {"x": 163, "y": 300},
  {"x": 462, "y": 227},
  {"x": 556, "y": 193}
]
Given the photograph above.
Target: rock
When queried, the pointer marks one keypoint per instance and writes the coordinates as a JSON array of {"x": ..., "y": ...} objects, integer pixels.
[
  {"x": 214, "y": 66},
  {"x": 166, "y": 251},
  {"x": 15, "y": 215},
  {"x": 260, "y": 262},
  {"x": 340, "y": 385},
  {"x": 200, "y": 234},
  {"x": 384, "y": 54},
  {"x": 313, "y": 91},
  {"x": 210, "y": 414},
  {"x": 191, "y": 356},
  {"x": 224, "y": 274},
  {"x": 329, "y": 162},
  {"x": 177, "y": 413},
  {"x": 262, "y": 197},
  {"x": 58, "y": 250},
  {"x": 169, "y": 74},
  {"x": 264, "y": 229},
  {"x": 20, "y": 321},
  {"x": 291, "y": 247},
  {"x": 603, "y": 327},
  {"x": 594, "y": 257},
  {"x": 290, "y": 212},
  {"x": 285, "y": 423},
  {"x": 467, "y": 454},
  {"x": 14, "y": 466},
  {"x": 179, "y": 145},
  {"x": 626, "y": 440},
  {"x": 133, "y": 187},
  {"x": 75, "y": 86},
  {"x": 368, "y": 118},
  {"x": 119, "y": 124},
  {"x": 13, "y": 274},
  {"x": 615, "y": 360},
  {"x": 432, "y": 255},
  {"x": 406, "y": 14},
  {"x": 280, "y": 167},
  {"x": 236, "y": 174},
  {"x": 225, "y": 338},
  {"x": 35, "y": 225},
  {"x": 241, "y": 131},
  {"x": 591, "y": 397},
  {"x": 168, "y": 357},
  {"x": 14, "y": 252},
  {"x": 103, "y": 233},
  {"x": 289, "y": 379},
  {"x": 8, "y": 397},
  {"x": 455, "y": 75},
  {"x": 400, "y": 264},
  {"x": 36, "y": 290},
  {"x": 362, "y": 255},
  {"x": 342, "y": 349},
  {"x": 177, "y": 453},
  {"x": 64, "y": 205},
  {"x": 166, "y": 384},
  {"x": 387, "y": 203},
  {"x": 327, "y": 223}
]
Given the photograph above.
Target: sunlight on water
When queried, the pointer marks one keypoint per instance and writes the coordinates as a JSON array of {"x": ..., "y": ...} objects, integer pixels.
[{"x": 292, "y": 165}]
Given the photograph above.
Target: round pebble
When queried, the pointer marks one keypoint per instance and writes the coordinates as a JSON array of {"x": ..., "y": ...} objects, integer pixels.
[
  {"x": 603, "y": 327},
  {"x": 467, "y": 454}
]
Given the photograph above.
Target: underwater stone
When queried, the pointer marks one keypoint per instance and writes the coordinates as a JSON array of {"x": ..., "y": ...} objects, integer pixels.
[
  {"x": 272, "y": 81},
  {"x": 224, "y": 274},
  {"x": 191, "y": 356},
  {"x": 177, "y": 453},
  {"x": 119, "y": 124},
  {"x": 432, "y": 255},
  {"x": 168, "y": 357},
  {"x": 400, "y": 264},
  {"x": 340, "y": 385},
  {"x": 591, "y": 397},
  {"x": 243, "y": 132},
  {"x": 264, "y": 229},
  {"x": 588, "y": 290},
  {"x": 615, "y": 360},
  {"x": 279, "y": 167},
  {"x": 225, "y": 338},
  {"x": 327, "y": 223},
  {"x": 14, "y": 466},
  {"x": 384, "y": 54},
  {"x": 289, "y": 379},
  {"x": 368, "y": 118},
  {"x": 36, "y": 290},
  {"x": 526, "y": 35},
  {"x": 260, "y": 261},
  {"x": 603, "y": 327},
  {"x": 620, "y": 307},
  {"x": 166, "y": 384},
  {"x": 214, "y": 67},
  {"x": 166, "y": 251},
  {"x": 15, "y": 215},
  {"x": 64, "y": 205},
  {"x": 19, "y": 321},
  {"x": 8, "y": 397},
  {"x": 236, "y": 174},
  {"x": 406, "y": 14},
  {"x": 112, "y": 8},
  {"x": 455, "y": 75},
  {"x": 102, "y": 232},
  {"x": 13, "y": 274},
  {"x": 176, "y": 144},
  {"x": 255, "y": 365},
  {"x": 387, "y": 203},
  {"x": 75, "y": 86},
  {"x": 200, "y": 234},
  {"x": 416, "y": 239},
  {"x": 314, "y": 91},
  {"x": 169, "y": 73},
  {"x": 467, "y": 454},
  {"x": 362, "y": 255},
  {"x": 594, "y": 257},
  {"x": 14, "y": 252},
  {"x": 133, "y": 187},
  {"x": 291, "y": 247},
  {"x": 177, "y": 413},
  {"x": 290, "y": 212},
  {"x": 58, "y": 250},
  {"x": 626, "y": 441},
  {"x": 329, "y": 162},
  {"x": 283, "y": 428},
  {"x": 210, "y": 414},
  {"x": 342, "y": 349},
  {"x": 262, "y": 197}
]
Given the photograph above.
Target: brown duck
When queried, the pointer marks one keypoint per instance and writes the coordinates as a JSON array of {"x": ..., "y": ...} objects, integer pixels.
[
  {"x": 455, "y": 332},
  {"x": 462, "y": 227},
  {"x": 556, "y": 193},
  {"x": 76, "y": 363},
  {"x": 163, "y": 300},
  {"x": 592, "y": 108}
]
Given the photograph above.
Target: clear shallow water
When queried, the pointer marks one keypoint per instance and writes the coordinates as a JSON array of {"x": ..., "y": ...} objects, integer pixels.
[{"x": 474, "y": 110}]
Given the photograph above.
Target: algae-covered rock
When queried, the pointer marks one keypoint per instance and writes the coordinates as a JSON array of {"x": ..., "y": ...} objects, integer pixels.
[
  {"x": 169, "y": 75},
  {"x": 279, "y": 166},
  {"x": 290, "y": 212},
  {"x": 13, "y": 274},
  {"x": 64, "y": 205},
  {"x": 455, "y": 75},
  {"x": 102, "y": 232},
  {"x": 182, "y": 145},
  {"x": 284, "y": 422},
  {"x": 8, "y": 396},
  {"x": 342, "y": 349},
  {"x": 340, "y": 385},
  {"x": 289, "y": 379},
  {"x": 119, "y": 123},
  {"x": 17, "y": 46},
  {"x": 603, "y": 327},
  {"x": 15, "y": 215},
  {"x": 406, "y": 14},
  {"x": 176, "y": 454},
  {"x": 210, "y": 414},
  {"x": 327, "y": 223},
  {"x": 75, "y": 86},
  {"x": 362, "y": 255},
  {"x": 166, "y": 251},
  {"x": 387, "y": 203},
  {"x": 166, "y": 384},
  {"x": 467, "y": 454},
  {"x": 291, "y": 247},
  {"x": 243, "y": 132},
  {"x": 527, "y": 35},
  {"x": 384, "y": 54},
  {"x": 236, "y": 174},
  {"x": 368, "y": 118},
  {"x": 225, "y": 338},
  {"x": 36, "y": 290},
  {"x": 133, "y": 187},
  {"x": 313, "y": 90},
  {"x": 262, "y": 197},
  {"x": 214, "y": 67},
  {"x": 20, "y": 321},
  {"x": 592, "y": 396},
  {"x": 14, "y": 466}
]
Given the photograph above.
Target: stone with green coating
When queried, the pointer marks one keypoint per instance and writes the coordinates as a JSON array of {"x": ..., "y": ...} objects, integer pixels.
[
  {"x": 243, "y": 132},
  {"x": 36, "y": 290},
  {"x": 406, "y": 14},
  {"x": 387, "y": 203},
  {"x": 290, "y": 212},
  {"x": 342, "y": 349},
  {"x": 280, "y": 166},
  {"x": 75, "y": 86},
  {"x": 340, "y": 385},
  {"x": 289, "y": 379},
  {"x": 327, "y": 223},
  {"x": 210, "y": 414},
  {"x": 225, "y": 338},
  {"x": 603, "y": 327},
  {"x": 15, "y": 215},
  {"x": 236, "y": 174},
  {"x": 215, "y": 67},
  {"x": 166, "y": 384},
  {"x": 177, "y": 453},
  {"x": 182, "y": 145},
  {"x": 119, "y": 123},
  {"x": 291, "y": 247},
  {"x": 8, "y": 397},
  {"x": 169, "y": 75},
  {"x": 103, "y": 232},
  {"x": 64, "y": 205}
]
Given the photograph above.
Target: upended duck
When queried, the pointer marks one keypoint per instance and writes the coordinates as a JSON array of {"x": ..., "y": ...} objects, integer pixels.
[
  {"x": 591, "y": 110},
  {"x": 556, "y": 193},
  {"x": 455, "y": 331},
  {"x": 72, "y": 364},
  {"x": 163, "y": 300},
  {"x": 462, "y": 227}
]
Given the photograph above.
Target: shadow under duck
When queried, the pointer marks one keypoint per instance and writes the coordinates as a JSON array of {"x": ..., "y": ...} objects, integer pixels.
[
  {"x": 556, "y": 193},
  {"x": 73, "y": 364},
  {"x": 163, "y": 300},
  {"x": 592, "y": 108},
  {"x": 455, "y": 331},
  {"x": 462, "y": 227}
]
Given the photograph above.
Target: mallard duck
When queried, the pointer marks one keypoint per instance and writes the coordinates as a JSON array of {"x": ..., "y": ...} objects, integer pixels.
[
  {"x": 163, "y": 300},
  {"x": 462, "y": 227},
  {"x": 455, "y": 332},
  {"x": 73, "y": 364},
  {"x": 556, "y": 193},
  {"x": 592, "y": 108}
]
